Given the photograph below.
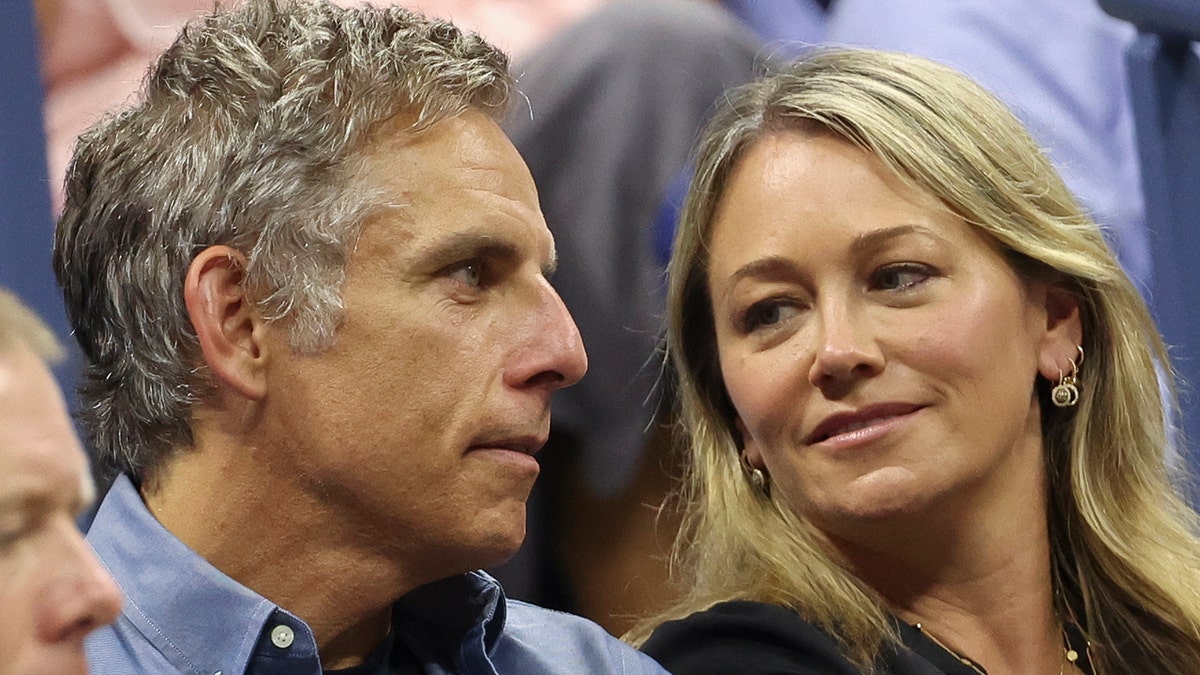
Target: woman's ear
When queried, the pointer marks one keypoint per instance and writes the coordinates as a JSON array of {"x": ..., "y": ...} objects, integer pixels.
[
  {"x": 751, "y": 453},
  {"x": 230, "y": 331},
  {"x": 1063, "y": 337}
]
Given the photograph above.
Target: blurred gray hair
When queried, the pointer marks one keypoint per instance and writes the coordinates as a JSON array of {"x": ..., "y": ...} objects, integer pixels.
[{"x": 249, "y": 133}]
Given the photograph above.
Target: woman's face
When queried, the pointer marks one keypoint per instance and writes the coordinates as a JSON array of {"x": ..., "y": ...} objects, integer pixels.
[{"x": 879, "y": 352}]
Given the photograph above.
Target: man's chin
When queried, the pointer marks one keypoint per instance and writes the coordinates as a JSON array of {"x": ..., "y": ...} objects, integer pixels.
[
  {"x": 501, "y": 550},
  {"x": 500, "y": 539}
]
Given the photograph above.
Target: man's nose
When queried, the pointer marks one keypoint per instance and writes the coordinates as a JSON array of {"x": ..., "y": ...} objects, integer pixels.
[{"x": 554, "y": 356}]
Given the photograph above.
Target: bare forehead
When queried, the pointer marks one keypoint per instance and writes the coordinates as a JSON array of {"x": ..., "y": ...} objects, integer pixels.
[
  {"x": 39, "y": 452},
  {"x": 470, "y": 146},
  {"x": 792, "y": 173},
  {"x": 26, "y": 383},
  {"x": 458, "y": 182}
]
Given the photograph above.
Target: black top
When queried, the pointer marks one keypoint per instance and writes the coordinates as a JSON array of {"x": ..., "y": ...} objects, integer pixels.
[{"x": 754, "y": 638}]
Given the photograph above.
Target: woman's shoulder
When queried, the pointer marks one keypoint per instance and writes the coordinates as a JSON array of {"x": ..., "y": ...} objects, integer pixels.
[
  {"x": 741, "y": 636},
  {"x": 756, "y": 638}
]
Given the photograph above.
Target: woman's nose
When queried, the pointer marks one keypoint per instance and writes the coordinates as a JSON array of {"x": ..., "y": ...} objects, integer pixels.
[{"x": 845, "y": 349}]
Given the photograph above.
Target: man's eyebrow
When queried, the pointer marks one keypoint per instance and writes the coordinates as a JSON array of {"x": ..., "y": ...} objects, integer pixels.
[{"x": 467, "y": 245}]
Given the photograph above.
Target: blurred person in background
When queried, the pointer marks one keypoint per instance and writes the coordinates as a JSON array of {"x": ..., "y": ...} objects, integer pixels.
[
  {"x": 1069, "y": 87},
  {"x": 53, "y": 591},
  {"x": 94, "y": 53}
]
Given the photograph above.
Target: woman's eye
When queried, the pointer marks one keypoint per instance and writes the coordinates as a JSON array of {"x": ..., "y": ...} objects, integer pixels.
[
  {"x": 900, "y": 277},
  {"x": 469, "y": 274},
  {"x": 765, "y": 314}
]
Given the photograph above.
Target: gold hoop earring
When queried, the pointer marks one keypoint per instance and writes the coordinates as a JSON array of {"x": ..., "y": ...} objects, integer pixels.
[
  {"x": 1065, "y": 394},
  {"x": 756, "y": 476}
]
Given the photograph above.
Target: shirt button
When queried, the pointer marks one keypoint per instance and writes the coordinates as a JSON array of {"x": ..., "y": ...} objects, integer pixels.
[{"x": 282, "y": 636}]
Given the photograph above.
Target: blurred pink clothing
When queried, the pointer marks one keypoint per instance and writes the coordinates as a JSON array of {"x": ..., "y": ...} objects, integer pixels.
[{"x": 96, "y": 52}]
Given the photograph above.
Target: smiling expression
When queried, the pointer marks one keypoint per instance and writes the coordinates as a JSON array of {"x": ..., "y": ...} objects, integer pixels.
[{"x": 880, "y": 353}]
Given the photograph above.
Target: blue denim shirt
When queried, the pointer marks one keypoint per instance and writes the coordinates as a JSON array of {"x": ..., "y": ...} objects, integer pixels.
[{"x": 182, "y": 615}]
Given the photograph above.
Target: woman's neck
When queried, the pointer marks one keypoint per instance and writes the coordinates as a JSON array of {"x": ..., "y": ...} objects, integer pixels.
[{"x": 977, "y": 579}]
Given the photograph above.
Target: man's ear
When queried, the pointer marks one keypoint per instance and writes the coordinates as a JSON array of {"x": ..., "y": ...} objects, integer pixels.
[
  {"x": 1064, "y": 333},
  {"x": 230, "y": 331}
]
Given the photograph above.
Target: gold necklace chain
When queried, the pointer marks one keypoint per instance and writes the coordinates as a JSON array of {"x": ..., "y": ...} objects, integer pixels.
[
  {"x": 1070, "y": 656},
  {"x": 961, "y": 659}
]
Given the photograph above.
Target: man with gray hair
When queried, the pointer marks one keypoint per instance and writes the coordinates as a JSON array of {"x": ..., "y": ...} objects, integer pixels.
[
  {"x": 308, "y": 272},
  {"x": 52, "y": 590}
]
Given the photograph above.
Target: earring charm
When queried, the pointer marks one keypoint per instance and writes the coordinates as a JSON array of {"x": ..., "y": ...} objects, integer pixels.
[
  {"x": 1065, "y": 394},
  {"x": 758, "y": 479},
  {"x": 756, "y": 476}
]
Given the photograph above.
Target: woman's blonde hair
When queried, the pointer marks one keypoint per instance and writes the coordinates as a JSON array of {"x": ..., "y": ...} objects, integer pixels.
[{"x": 1124, "y": 546}]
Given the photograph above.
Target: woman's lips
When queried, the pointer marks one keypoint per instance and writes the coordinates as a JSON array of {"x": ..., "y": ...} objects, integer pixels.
[{"x": 860, "y": 424}]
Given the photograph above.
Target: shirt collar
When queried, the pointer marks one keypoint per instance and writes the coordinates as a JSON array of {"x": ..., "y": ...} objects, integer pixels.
[
  {"x": 455, "y": 622},
  {"x": 202, "y": 621},
  {"x": 195, "y": 616},
  {"x": 456, "y": 604}
]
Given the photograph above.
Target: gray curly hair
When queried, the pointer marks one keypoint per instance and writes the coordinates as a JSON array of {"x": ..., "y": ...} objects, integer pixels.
[{"x": 248, "y": 133}]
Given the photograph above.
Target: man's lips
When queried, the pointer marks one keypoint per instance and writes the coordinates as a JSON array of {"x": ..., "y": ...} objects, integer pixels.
[
  {"x": 526, "y": 445},
  {"x": 847, "y": 422}
]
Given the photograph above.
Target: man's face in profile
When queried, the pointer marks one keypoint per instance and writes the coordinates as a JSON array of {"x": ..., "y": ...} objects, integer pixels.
[
  {"x": 53, "y": 591},
  {"x": 419, "y": 424}
]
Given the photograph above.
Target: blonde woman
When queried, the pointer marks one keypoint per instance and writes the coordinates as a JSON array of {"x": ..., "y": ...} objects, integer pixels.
[{"x": 919, "y": 395}]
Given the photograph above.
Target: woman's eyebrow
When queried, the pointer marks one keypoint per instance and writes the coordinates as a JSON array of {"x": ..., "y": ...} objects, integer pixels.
[{"x": 873, "y": 240}]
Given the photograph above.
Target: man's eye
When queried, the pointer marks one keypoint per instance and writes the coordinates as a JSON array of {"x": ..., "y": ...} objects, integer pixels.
[
  {"x": 469, "y": 274},
  {"x": 900, "y": 277}
]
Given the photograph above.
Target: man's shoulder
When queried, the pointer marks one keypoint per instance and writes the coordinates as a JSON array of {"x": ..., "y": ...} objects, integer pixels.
[
  {"x": 181, "y": 613},
  {"x": 540, "y": 640}
]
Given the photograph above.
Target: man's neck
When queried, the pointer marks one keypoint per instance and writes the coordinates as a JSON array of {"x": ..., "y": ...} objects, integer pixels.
[{"x": 273, "y": 539}]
